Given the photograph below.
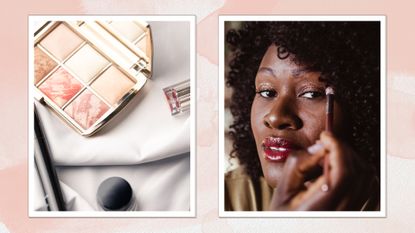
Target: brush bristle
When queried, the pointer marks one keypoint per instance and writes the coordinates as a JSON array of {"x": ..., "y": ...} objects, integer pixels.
[{"x": 329, "y": 91}]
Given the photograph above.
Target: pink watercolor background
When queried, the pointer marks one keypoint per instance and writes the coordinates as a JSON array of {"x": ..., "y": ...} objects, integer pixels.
[{"x": 400, "y": 116}]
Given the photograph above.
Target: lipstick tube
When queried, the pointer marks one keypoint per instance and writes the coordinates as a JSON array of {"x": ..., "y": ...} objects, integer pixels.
[{"x": 178, "y": 97}]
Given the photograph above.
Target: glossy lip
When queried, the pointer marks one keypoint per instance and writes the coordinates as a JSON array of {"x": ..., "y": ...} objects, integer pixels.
[{"x": 277, "y": 149}]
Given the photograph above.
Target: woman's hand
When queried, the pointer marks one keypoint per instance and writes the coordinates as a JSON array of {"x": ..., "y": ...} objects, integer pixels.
[{"x": 304, "y": 186}]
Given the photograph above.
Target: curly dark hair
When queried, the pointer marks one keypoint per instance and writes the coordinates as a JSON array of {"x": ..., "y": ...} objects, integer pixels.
[{"x": 346, "y": 53}]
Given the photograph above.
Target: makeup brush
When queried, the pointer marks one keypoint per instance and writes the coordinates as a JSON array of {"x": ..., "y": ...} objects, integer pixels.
[
  {"x": 45, "y": 165},
  {"x": 329, "y": 128},
  {"x": 329, "y": 108}
]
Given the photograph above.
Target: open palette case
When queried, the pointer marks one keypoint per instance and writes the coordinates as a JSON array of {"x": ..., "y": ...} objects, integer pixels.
[{"x": 87, "y": 71}]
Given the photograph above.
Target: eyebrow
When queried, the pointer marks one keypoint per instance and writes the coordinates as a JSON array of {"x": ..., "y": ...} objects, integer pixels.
[{"x": 296, "y": 73}]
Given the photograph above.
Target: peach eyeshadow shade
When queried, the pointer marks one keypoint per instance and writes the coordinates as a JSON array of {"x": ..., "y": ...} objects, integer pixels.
[
  {"x": 86, "y": 109},
  {"x": 60, "y": 87},
  {"x": 43, "y": 65},
  {"x": 86, "y": 63},
  {"x": 112, "y": 85},
  {"x": 61, "y": 42}
]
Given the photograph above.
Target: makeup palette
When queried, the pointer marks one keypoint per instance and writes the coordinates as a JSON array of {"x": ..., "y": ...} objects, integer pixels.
[{"x": 87, "y": 71}]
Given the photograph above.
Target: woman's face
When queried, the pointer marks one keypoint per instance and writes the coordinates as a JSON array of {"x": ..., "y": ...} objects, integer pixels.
[{"x": 288, "y": 111}]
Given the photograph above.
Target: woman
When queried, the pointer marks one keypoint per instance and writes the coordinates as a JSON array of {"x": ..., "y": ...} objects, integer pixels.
[{"x": 279, "y": 73}]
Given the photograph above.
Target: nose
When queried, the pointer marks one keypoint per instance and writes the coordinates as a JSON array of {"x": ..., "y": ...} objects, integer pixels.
[{"x": 283, "y": 115}]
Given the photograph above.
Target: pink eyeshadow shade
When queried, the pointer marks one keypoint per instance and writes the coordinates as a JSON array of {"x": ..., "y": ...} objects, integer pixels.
[
  {"x": 86, "y": 109},
  {"x": 60, "y": 87},
  {"x": 43, "y": 65}
]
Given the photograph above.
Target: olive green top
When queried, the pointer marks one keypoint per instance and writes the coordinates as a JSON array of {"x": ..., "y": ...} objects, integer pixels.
[{"x": 242, "y": 193}]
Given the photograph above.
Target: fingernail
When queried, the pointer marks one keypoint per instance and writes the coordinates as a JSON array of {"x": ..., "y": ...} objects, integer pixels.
[{"x": 314, "y": 148}]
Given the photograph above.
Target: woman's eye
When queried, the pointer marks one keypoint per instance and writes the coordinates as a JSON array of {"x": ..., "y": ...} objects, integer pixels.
[
  {"x": 267, "y": 93},
  {"x": 312, "y": 94}
]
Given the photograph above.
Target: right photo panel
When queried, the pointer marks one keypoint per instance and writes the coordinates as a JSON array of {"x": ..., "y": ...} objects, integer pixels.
[{"x": 302, "y": 112}]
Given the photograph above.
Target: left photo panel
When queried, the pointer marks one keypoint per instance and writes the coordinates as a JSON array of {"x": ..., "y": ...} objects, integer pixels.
[{"x": 111, "y": 116}]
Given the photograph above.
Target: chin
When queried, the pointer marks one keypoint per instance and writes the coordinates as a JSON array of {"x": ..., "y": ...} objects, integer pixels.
[{"x": 272, "y": 172}]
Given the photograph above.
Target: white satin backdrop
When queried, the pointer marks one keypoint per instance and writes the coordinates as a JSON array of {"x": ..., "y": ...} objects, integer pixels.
[{"x": 143, "y": 144}]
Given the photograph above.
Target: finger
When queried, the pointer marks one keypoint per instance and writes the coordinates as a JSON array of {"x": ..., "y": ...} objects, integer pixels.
[
  {"x": 297, "y": 168},
  {"x": 315, "y": 198},
  {"x": 340, "y": 164},
  {"x": 324, "y": 193},
  {"x": 319, "y": 150},
  {"x": 309, "y": 160},
  {"x": 340, "y": 172},
  {"x": 349, "y": 184},
  {"x": 291, "y": 181}
]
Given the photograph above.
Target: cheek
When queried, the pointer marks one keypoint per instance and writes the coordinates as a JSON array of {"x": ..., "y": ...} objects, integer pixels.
[
  {"x": 272, "y": 172},
  {"x": 313, "y": 118},
  {"x": 257, "y": 115}
]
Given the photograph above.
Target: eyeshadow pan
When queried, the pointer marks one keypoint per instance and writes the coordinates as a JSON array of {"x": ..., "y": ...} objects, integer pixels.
[
  {"x": 61, "y": 41},
  {"x": 128, "y": 29},
  {"x": 112, "y": 85},
  {"x": 86, "y": 63},
  {"x": 86, "y": 109},
  {"x": 86, "y": 71},
  {"x": 43, "y": 65},
  {"x": 60, "y": 87}
]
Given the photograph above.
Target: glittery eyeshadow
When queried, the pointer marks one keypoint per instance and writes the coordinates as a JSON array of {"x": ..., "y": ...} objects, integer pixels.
[
  {"x": 43, "y": 65},
  {"x": 86, "y": 109},
  {"x": 60, "y": 87}
]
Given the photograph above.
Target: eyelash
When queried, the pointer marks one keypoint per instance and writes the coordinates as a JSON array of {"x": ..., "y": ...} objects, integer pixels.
[
  {"x": 263, "y": 94},
  {"x": 270, "y": 93},
  {"x": 317, "y": 93}
]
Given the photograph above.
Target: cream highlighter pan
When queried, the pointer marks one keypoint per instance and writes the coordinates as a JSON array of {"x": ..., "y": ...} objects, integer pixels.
[
  {"x": 61, "y": 42},
  {"x": 113, "y": 85},
  {"x": 86, "y": 63},
  {"x": 79, "y": 75}
]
